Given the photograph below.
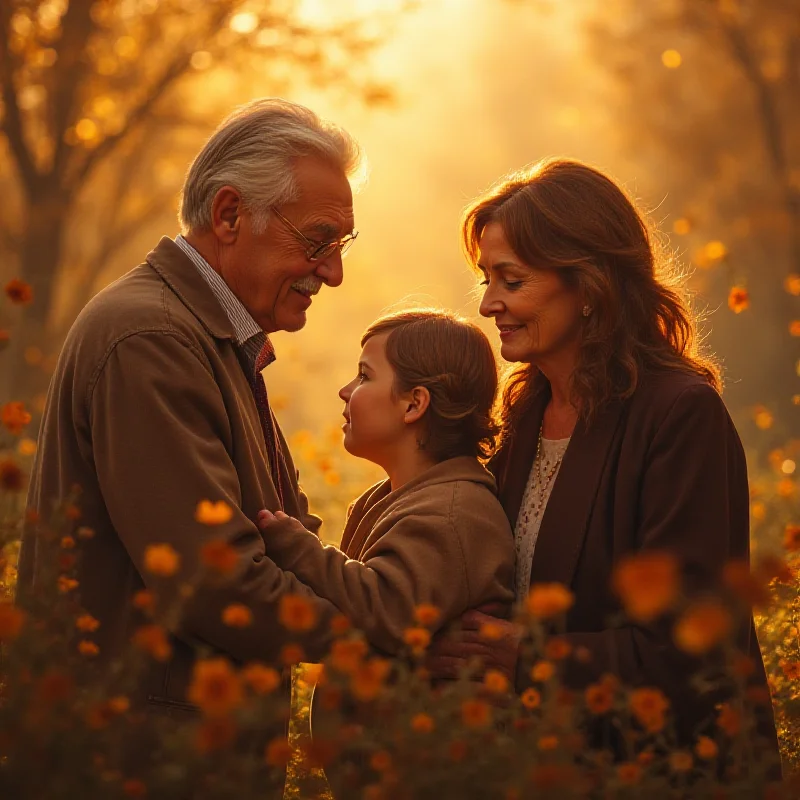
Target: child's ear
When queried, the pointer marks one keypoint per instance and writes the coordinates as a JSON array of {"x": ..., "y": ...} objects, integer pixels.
[{"x": 419, "y": 398}]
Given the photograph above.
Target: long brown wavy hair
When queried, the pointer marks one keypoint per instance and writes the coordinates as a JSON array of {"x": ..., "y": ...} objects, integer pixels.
[{"x": 566, "y": 216}]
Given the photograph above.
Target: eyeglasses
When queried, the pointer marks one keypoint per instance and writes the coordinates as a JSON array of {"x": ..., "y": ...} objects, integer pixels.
[{"x": 318, "y": 250}]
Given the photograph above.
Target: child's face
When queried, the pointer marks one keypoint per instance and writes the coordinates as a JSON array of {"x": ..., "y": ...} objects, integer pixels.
[{"x": 375, "y": 426}]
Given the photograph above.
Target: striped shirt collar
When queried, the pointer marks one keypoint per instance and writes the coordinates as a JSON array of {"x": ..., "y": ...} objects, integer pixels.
[{"x": 247, "y": 332}]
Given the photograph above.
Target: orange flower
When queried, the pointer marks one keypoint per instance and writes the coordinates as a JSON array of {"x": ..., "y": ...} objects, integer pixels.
[
  {"x": 417, "y": 639},
  {"x": 791, "y": 669},
  {"x": 763, "y": 418},
  {"x": 794, "y": 327},
  {"x": 291, "y": 654},
  {"x": 786, "y": 487},
  {"x": 14, "y": 417},
  {"x": 153, "y": 640},
  {"x": 427, "y": 614},
  {"x": 476, "y": 713},
  {"x": 11, "y": 622},
  {"x": 647, "y": 584},
  {"x": 791, "y": 538},
  {"x": 792, "y": 284},
  {"x": 457, "y": 750},
  {"x": 67, "y": 542},
  {"x": 237, "y": 615},
  {"x": 706, "y": 748},
  {"x": 215, "y": 733},
  {"x": 219, "y": 556},
  {"x": 119, "y": 704},
  {"x": 599, "y": 698},
  {"x": 491, "y": 631},
  {"x": 87, "y": 648},
  {"x": 542, "y": 671},
  {"x": 738, "y": 299},
  {"x": 208, "y": 513},
  {"x": 161, "y": 559},
  {"x": 549, "y": 742},
  {"x": 278, "y": 752},
  {"x": 557, "y": 648},
  {"x": 66, "y": 584},
  {"x": 422, "y": 723},
  {"x": 680, "y": 761},
  {"x": 144, "y": 601},
  {"x": 12, "y": 478},
  {"x": 531, "y": 698},
  {"x": 19, "y": 292},
  {"x": 741, "y": 581},
  {"x": 729, "y": 719},
  {"x": 346, "y": 654},
  {"x": 215, "y": 687},
  {"x": 547, "y": 600},
  {"x": 87, "y": 623},
  {"x": 645, "y": 758},
  {"x": 368, "y": 678},
  {"x": 380, "y": 761},
  {"x": 495, "y": 681},
  {"x": 261, "y": 679},
  {"x": 134, "y": 788},
  {"x": 629, "y": 773},
  {"x": 340, "y": 625},
  {"x": 649, "y": 706},
  {"x": 702, "y": 627},
  {"x": 296, "y": 613}
]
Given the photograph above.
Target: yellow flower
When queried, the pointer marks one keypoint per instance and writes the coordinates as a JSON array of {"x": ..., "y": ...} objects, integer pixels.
[
  {"x": 87, "y": 648},
  {"x": 161, "y": 559},
  {"x": 475, "y": 713},
  {"x": 14, "y": 417},
  {"x": 422, "y": 723},
  {"x": 417, "y": 639},
  {"x": 278, "y": 752},
  {"x": 219, "y": 556},
  {"x": 11, "y": 622},
  {"x": 629, "y": 773},
  {"x": 427, "y": 614},
  {"x": 153, "y": 640},
  {"x": 702, "y": 627},
  {"x": 647, "y": 584},
  {"x": 262, "y": 679},
  {"x": 549, "y": 742},
  {"x": 208, "y": 513},
  {"x": 495, "y": 681},
  {"x": 786, "y": 487},
  {"x": 649, "y": 707},
  {"x": 87, "y": 623},
  {"x": 548, "y": 600},
  {"x": 680, "y": 761},
  {"x": 237, "y": 615},
  {"x": 215, "y": 687},
  {"x": 706, "y": 748},
  {"x": 542, "y": 671},
  {"x": 66, "y": 584},
  {"x": 763, "y": 418},
  {"x": 738, "y": 299},
  {"x": 531, "y": 698},
  {"x": 368, "y": 678},
  {"x": 296, "y": 613}
]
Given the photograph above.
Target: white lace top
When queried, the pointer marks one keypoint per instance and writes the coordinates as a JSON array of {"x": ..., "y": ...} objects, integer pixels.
[{"x": 526, "y": 531}]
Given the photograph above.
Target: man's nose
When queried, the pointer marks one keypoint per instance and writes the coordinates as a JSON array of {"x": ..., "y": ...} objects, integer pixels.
[{"x": 330, "y": 269}]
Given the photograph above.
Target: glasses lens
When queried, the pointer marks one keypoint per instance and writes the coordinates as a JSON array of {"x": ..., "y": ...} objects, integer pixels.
[{"x": 345, "y": 245}]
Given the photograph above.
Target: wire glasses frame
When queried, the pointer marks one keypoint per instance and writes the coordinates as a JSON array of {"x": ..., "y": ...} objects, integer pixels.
[{"x": 318, "y": 250}]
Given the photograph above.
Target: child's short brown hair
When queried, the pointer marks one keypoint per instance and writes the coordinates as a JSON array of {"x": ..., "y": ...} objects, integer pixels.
[{"x": 452, "y": 358}]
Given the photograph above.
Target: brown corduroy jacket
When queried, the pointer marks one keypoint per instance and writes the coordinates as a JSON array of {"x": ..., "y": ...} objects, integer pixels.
[
  {"x": 150, "y": 412},
  {"x": 664, "y": 470},
  {"x": 442, "y": 538}
]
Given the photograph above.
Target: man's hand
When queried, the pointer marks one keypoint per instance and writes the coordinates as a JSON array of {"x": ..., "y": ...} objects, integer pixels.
[
  {"x": 271, "y": 523},
  {"x": 494, "y": 642}
]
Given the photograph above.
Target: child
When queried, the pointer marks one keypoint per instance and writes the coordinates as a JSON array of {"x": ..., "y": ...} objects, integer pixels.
[{"x": 433, "y": 531}]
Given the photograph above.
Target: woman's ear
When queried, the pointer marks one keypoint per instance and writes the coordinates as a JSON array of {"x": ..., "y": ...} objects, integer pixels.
[{"x": 418, "y": 400}]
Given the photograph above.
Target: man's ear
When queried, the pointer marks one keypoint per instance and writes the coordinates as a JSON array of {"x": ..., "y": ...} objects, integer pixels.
[
  {"x": 417, "y": 402},
  {"x": 226, "y": 216}
]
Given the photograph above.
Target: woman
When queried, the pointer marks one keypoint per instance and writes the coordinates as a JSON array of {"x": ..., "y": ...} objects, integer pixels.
[
  {"x": 614, "y": 437},
  {"x": 434, "y": 531}
]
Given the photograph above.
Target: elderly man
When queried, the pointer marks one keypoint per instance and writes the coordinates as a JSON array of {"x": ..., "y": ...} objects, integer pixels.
[{"x": 158, "y": 401}]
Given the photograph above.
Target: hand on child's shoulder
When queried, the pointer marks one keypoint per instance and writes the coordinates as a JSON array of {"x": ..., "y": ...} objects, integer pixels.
[{"x": 278, "y": 522}]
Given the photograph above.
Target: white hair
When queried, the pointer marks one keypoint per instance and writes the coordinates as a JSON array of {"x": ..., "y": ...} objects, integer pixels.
[{"x": 252, "y": 150}]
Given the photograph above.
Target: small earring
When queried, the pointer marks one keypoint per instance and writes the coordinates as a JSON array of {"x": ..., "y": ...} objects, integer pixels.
[{"x": 587, "y": 310}]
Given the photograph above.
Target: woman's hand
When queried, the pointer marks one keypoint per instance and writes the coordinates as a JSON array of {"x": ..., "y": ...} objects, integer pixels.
[
  {"x": 272, "y": 523},
  {"x": 495, "y": 642}
]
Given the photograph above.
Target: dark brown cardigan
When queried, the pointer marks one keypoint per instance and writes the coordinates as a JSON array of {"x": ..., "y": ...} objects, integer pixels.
[{"x": 664, "y": 470}]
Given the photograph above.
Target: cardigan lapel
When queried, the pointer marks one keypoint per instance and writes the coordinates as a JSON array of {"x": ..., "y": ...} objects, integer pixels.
[{"x": 568, "y": 511}]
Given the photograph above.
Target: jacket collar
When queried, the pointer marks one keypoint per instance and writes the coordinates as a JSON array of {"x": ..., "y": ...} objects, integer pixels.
[
  {"x": 568, "y": 511},
  {"x": 177, "y": 270}
]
